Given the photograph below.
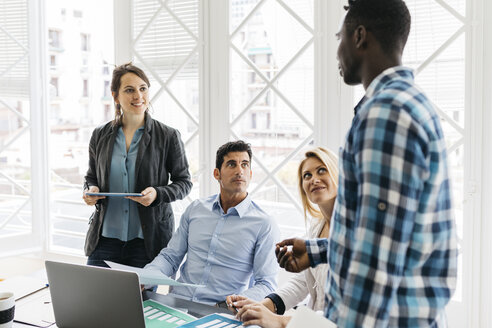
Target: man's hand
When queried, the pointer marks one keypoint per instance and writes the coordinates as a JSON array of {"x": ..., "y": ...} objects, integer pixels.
[
  {"x": 91, "y": 200},
  {"x": 292, "y": 255},
  {"x": 149, "y": 195}
]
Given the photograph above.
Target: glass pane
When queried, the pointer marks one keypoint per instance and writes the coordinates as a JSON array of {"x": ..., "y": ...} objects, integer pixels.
[
  {"x": 304, "y": 9},
  {"x": 272, "y": 31},
  {"x": 15, "y": 133},
  {"x": 165, "y": 44},
  {"x": 297, "y": 84},
  {"x": 239, "y": 9},
  {"x": 167, "y": 50},
  {"x": 278, "y": 122},
  {"x": 432, "y": 25},
  {"x": 15, "y": 175},
  {"x": 79, "y": 100}
]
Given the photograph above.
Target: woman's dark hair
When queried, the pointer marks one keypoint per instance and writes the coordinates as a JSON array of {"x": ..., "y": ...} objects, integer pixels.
[
  {"x": 118, "y": 72},
  {"x": 388, "y": 20}
]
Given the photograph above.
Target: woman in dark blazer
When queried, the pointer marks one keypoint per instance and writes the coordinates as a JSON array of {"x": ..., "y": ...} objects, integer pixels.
[{"x": 133, "y": 154}]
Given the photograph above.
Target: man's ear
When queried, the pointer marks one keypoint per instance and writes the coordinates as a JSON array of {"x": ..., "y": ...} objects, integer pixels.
[
  {"x": 217, "y": 174},
  {"x": 360, "y": 36}
]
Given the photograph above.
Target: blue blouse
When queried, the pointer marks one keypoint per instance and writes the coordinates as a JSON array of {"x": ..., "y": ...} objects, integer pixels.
[{"x": 121, "y": 219}]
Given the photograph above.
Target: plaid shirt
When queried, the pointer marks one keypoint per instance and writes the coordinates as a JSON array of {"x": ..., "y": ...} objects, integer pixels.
[{"x": 392, "y": 247}]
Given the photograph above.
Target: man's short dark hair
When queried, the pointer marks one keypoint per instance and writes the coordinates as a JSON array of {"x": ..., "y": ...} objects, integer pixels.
[
  {"x": 388, "y": 20},
  {"x": 231, "y": 146}
]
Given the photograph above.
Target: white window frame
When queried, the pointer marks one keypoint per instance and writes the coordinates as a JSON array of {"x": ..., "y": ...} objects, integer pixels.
[
  {"x": 36, "y": 240},
  {"x": 479, "y": 97}
]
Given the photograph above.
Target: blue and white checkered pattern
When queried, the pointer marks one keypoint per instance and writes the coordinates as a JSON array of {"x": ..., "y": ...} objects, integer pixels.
[{"x": 392, "y": 250}]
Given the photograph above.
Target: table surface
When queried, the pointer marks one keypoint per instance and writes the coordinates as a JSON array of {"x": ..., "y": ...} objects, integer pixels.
[{"x": 195, "y": 309}]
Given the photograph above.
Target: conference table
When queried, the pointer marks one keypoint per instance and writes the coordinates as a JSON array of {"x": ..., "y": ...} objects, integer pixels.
[{"x": 193, "y": 308}]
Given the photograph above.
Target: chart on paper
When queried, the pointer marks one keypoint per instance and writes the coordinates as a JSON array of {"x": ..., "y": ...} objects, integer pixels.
[
  {"x": 158, "y": 315},
  {"x": 213, "y": 321}
]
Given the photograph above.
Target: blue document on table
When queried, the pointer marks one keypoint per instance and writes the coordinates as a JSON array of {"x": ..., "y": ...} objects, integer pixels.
[{"x": 213, "y": 320}]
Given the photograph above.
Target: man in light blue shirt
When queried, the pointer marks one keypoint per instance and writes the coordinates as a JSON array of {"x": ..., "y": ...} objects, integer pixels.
[{"x": 228, "y": 239}]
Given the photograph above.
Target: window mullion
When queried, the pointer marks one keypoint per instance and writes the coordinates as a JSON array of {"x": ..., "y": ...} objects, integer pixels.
[
  {"x": 484, "y": 9},
  {"x": 123, "y": 31},
  {"x": 214, "y": 87},
  {"x": 39, "y": 125},
  {"x": 332, "y": 99}
]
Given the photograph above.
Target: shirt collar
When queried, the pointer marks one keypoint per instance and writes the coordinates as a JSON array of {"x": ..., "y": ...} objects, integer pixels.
[
  {"x": 240, "y": 208},
  {"x": 139, "y": 131},
  {"x": 389, "y": 74}
]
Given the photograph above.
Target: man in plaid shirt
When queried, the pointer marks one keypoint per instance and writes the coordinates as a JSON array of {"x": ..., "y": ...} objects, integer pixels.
[{"x": 392, "y": 251}]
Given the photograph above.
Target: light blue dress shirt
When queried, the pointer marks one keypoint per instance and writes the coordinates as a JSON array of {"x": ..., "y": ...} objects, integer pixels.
[
  {"x": 229, "y": 253},
  {"x": 122, "y": 220}
]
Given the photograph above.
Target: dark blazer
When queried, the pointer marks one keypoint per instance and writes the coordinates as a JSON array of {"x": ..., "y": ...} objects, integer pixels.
[{"x": 161, "y": 155}]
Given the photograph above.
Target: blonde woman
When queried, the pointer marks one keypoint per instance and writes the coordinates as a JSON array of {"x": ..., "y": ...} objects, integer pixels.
[{"x": 317, "y": 183}]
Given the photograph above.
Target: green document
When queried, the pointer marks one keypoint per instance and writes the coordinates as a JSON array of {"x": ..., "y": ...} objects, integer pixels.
[{"x": 158, "y": 315}]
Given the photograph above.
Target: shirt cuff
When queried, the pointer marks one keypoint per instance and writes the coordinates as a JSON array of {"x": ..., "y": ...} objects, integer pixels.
[
  {"x": 278, "y": 302},
  {"x": 317, "y": 250}
]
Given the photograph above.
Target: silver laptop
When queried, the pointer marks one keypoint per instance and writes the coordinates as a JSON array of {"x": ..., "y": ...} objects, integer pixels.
[{"x": 86, "y": 296}]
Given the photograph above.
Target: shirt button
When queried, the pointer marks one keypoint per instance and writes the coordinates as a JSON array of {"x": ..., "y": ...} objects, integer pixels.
[
  {"x": 382, "y": 206},
  {"x": 124, "y": 174},
  {"x": 126, "y": 211}
]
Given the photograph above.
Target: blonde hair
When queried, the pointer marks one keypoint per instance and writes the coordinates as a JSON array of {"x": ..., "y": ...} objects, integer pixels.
[{"x": 330, "y": 160}]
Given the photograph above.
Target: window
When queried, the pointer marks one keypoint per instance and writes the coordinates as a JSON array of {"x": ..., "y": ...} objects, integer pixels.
[
  {"x": 17, "y": 224},
  {"x": 253, "y": 121},
  {"x": 106, "y": 92},
  {"x": 54, "y": 38},
  {"x": 53, "y": 62},
  {"x": 276, "y": 48},
  {"x": 166, "y": 44},
  {"x": 84, "y": 42},
  {"x": 85, "y": 88},
  {"x": 75, "y": 113},
  {"x": 84, "y": 68},
  {"x": 54, "y": 87},
  {"x": 107, "y": 112},
  {"x": 105, "y": 70}
]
